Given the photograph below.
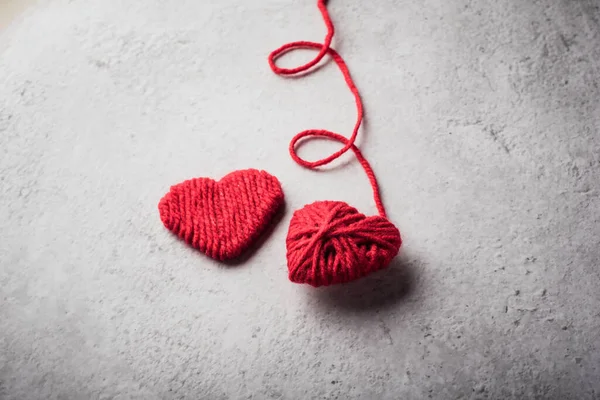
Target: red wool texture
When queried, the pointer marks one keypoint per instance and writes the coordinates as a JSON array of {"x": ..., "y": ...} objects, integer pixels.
[
  {"x": 330, "y": 242},
  {"x": 222, "y": 218}
]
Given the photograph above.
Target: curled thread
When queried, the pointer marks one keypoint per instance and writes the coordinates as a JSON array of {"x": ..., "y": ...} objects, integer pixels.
[{"x": 325, "y": 49}]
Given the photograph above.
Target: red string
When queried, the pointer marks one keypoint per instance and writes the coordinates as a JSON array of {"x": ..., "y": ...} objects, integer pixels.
[{"x": 324, "y": 49}]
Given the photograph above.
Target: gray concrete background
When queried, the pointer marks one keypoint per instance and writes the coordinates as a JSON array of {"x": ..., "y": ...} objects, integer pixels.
[{"x": 482, "y": 124}]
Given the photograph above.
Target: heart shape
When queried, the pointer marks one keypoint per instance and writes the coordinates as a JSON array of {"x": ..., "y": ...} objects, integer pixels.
[
  {"x": 222, "y": 218},
  {"x": 330, "y": 242}
]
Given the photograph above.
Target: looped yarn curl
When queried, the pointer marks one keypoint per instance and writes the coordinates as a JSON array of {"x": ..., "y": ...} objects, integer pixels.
[{"x": 330, "y": 242}]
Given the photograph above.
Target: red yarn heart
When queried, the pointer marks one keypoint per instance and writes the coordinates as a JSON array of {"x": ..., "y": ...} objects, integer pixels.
[
  {"x": 330, "y": 242},
  {"x": 222, "y": 219}
]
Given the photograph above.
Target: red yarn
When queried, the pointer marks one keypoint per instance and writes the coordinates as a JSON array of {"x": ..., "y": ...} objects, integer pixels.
[
  {"x": 330, "y": 242},
  {"x": 222, "y": 219}
]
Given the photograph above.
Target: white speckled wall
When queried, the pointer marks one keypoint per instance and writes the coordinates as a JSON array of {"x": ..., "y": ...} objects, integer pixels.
[{"x": 483, "y": 123}]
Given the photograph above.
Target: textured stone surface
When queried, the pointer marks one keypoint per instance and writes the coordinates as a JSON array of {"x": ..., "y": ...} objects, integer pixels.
[{"x": 483, "y": 122}]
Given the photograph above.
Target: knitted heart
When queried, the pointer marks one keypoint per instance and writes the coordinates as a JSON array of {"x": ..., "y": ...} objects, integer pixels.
[
  {"x": 330, "y": 242},
  {"x": 222, "y": 218}
]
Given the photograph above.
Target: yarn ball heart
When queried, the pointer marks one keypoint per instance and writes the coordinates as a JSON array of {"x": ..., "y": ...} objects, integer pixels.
[
  {"x": 330, "y": 242},
  {"x": 222, "y": 218}
]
